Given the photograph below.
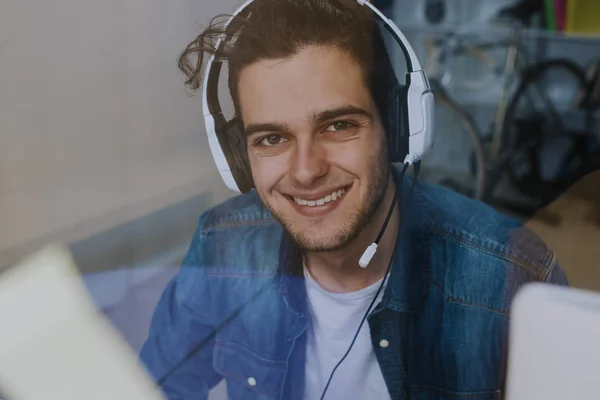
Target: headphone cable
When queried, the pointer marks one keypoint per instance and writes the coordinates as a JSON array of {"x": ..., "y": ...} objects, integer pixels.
[{"x": 389, "y": 267}]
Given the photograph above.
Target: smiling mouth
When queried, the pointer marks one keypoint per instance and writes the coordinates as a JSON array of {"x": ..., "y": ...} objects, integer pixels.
[{"x": 332, "y": 197}]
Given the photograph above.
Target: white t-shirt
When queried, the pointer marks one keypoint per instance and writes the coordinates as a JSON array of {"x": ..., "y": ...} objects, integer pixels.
[{"x": 334, "y": 319}]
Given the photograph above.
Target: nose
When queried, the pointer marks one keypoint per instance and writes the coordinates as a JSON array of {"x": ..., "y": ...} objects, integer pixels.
[{"x": 309, "y": 162}]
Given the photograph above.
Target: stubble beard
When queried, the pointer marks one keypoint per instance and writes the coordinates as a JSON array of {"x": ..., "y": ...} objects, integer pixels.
[{"x": 351, "y": 228}]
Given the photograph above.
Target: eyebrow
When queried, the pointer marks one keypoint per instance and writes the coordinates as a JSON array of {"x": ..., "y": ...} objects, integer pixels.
[
  {"x": 347, "y": 110},
  {"x": 264, "y": 127},
  {"x": 318, "y": 118}
]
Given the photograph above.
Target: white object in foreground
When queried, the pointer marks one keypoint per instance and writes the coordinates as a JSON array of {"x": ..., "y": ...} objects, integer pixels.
[
  {"x": 55, "y": 345},
  {"x": 554, "y": 344}
]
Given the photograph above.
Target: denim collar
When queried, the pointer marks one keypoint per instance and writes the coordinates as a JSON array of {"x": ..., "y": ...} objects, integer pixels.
[{"x": 410, "y": 269}]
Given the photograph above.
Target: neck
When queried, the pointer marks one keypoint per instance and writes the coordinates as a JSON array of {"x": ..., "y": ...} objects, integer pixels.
[{"x": 339, "y": 271}]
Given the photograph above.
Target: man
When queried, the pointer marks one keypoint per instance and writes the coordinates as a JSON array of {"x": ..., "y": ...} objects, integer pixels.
[{"x": 270, "y": 296}]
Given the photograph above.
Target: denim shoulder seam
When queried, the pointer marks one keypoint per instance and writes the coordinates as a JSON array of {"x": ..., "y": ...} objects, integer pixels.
[
  {"x": 502, "y": 312},
  {"x": 537, "y": 270},
  {"x": 552, "y": 262}
]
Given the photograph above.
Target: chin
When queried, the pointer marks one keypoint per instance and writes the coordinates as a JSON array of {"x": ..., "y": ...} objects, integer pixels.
[
  {"x": 319, "y": 245},
  {"x": 325, "y": 238}
]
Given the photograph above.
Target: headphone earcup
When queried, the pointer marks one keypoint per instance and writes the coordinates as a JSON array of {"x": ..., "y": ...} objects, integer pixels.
[
  {"x": 238, "y": 162},
  {"x": 397, "y": 129}
]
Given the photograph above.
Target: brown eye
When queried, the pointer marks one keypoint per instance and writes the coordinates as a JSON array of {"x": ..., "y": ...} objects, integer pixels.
[
  {"x": 339, "y": 126},
  {"x": 271, "y": 140}
]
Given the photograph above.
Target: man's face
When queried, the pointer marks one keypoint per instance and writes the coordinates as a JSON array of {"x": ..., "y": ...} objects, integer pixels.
[{"x": 316, "y": 145}]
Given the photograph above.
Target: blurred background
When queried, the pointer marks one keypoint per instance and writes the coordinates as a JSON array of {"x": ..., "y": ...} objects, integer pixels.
[{"x": 102, "y": 147}]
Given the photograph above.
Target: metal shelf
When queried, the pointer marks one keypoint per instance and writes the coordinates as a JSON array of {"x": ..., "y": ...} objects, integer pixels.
[{"x": 489, "y": 30}]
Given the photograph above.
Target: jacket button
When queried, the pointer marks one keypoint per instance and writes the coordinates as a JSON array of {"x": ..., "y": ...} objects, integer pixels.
[
  {"x": 252, "y": 381},
  {"x": 384, "y": 343}
]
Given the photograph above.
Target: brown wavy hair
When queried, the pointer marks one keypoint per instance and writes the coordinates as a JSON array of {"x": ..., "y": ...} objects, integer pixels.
[{"x": 277, "y": 29}]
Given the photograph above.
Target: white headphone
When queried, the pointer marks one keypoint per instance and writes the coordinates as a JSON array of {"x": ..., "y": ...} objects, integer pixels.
[{"x": 414, "y": 106}]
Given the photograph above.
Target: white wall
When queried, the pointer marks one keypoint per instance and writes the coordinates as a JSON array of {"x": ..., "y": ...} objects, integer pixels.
[{"x": 96, "y": 126}]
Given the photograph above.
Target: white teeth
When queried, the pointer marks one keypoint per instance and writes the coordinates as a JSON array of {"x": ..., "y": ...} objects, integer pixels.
[{"x": 330, "y": 197}]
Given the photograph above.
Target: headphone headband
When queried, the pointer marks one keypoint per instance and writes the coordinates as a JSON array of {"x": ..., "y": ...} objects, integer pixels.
[{"x": 412, "y": 103}]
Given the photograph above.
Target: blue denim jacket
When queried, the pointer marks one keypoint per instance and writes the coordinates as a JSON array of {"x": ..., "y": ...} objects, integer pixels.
[{"x": 238, "y": 303}]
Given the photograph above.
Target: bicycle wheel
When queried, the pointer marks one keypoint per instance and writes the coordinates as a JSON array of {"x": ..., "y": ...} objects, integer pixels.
[
  {"x": 474, "y": 67},
  {"x": 535, "y": 128},
  {"x": 457, "y": 143}
]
